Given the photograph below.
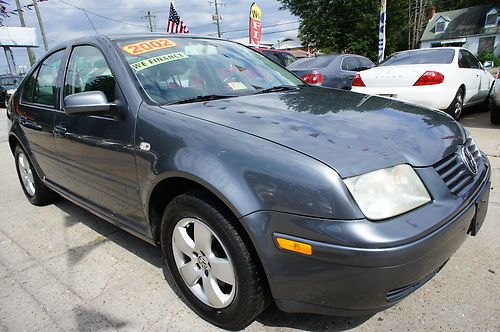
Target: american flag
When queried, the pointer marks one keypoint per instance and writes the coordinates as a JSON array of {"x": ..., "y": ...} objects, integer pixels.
[{"x": 175, "y": 24}]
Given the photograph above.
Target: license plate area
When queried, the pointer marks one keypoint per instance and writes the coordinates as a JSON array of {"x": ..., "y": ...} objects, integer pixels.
[{"x": 481, "y": 210}]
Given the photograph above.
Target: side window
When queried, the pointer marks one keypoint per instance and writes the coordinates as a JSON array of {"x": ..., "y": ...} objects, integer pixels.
[
  {"x": 288, "y": 58},
  {"x": 89, "y": 71},
  {"x": 45, "y": 90},
  {"x": 470, "y": 60},
  {"x": 462, "y": 60},
  {"x": 350, "y": 64},
  {"x": 475, "y": 62},
  {"x": 366, "y": 64},
  {"x": 29, "y": 88}
]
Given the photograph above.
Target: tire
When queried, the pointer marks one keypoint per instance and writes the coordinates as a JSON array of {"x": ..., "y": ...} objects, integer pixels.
[
  {"x": 457, "y": 105},
  {"x": 246, "y": 297},
  {"x": 34, "y": 189},
  {"x": 494, "y": 113}
]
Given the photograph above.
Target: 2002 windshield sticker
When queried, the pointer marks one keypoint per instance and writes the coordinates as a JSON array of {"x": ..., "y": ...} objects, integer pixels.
[
  {"x": 158, "y": 60},
  {"x": 148, "y": 46}
]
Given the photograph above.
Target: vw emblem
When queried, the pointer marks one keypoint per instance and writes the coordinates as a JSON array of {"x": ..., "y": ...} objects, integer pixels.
[{"x": 469, "y": 161}]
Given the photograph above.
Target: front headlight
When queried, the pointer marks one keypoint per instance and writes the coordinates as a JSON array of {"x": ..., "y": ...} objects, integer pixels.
[{"x": 388, "y": 192}]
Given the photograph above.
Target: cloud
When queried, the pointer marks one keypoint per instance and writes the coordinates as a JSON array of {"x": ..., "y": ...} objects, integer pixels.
[{"x": 63, "y": 22}]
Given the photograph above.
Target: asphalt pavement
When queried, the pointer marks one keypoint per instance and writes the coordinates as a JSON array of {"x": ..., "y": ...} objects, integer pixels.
[{"x": 62, "y": 268}]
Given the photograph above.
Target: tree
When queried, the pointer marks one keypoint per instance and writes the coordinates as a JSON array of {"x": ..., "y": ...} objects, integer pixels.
[{"x": 352, "y": 25}]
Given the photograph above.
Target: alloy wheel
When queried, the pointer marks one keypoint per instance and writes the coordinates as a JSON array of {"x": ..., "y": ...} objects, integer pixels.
[
  {"x": 458, "y": 105},
  {"x": 26, "y": 174},
  {"x": 204, "y": 263}
]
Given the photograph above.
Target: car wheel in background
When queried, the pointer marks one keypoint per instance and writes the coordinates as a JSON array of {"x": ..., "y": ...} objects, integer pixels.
[
  {"x": 35, "y": 190},
  {"x": 494, "y": 112},
  {"x": 457, "y": 105},
  {"x": 210, "y": 263}
]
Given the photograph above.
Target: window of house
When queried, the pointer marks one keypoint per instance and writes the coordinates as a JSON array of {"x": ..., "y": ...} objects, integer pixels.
[
  {"x": 440, "y": 26},
  {"x": 491, "y": 18}
]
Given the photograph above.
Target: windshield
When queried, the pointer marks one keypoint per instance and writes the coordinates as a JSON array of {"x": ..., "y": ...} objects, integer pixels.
[
  {"x": 309, "y": 63},
  {"x": 174, "y": 69},
  {"x": 431, "y": 56}
]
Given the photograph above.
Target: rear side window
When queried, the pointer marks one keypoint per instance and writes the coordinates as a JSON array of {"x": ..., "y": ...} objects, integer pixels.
[
  {"x": 430, "y": 56},
  {"x": 29, "y": 88},
  {"x": 272, "y": 55},
  {"x": 366, "y": 64},
  {"x": 89, "y": 71},
  {"x": 288, "y": 58},
  {"x": 45, "y": 89},
  {"x": 351, "y": 63}
]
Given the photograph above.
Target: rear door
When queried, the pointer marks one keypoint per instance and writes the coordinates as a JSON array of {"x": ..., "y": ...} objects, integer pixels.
[
  {"x": 96, "y": 153},
  {"x": 37, "y": 105},
  {"x": 470, "y": 72}
]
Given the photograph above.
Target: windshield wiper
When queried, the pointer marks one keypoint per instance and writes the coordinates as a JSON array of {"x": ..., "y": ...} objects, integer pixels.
[
  {"x": 279, "y": 88},
  {"x": 201, "y": 98}
]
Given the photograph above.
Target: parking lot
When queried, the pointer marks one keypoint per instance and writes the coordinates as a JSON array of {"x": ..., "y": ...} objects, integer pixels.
[{"x": 62, "y": 268}]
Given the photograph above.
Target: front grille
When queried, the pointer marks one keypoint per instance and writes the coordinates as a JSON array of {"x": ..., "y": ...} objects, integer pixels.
[{"x": 453, "y": 171}]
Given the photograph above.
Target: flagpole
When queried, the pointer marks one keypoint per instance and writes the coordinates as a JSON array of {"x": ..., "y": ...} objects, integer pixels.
[{"x": 382, "y": 27}]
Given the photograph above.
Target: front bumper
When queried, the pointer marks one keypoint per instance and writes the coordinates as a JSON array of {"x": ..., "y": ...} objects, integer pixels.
[{"x": 348, "y": 276}]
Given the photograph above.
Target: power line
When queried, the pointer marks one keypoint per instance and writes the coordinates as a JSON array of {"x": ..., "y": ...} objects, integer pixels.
[{"x": 101, "y": 16}]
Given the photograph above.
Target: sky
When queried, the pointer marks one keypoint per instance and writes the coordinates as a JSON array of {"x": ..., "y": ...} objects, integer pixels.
[{"x": 63, "y": 22}]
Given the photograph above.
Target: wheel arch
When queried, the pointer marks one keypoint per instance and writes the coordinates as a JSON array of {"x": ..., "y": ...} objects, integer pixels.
[{"x": 172, "y": 186}]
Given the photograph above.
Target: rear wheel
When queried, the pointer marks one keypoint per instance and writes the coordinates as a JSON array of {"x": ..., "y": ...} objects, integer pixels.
[
  {"x": 457, "y": 105},
  {"x": 210, "y": 263},
  {"x": 34, "y": 189}
]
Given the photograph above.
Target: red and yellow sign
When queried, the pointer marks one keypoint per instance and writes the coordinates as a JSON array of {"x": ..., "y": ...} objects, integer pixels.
[
  {"x": 255, "y": 33},
  {"x": 149, "y": 45}
]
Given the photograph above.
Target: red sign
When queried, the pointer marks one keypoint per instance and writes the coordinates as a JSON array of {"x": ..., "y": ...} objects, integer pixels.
[{"x": 255, "y": 33}]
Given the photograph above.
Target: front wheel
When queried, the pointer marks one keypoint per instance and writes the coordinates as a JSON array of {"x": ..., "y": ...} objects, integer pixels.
[
  {"x": 457, "y": 105},
  {"x": 210, "y": 263}
]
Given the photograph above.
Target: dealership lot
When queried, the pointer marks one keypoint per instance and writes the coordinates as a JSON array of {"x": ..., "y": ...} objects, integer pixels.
[{"x": 62, "y": 268}]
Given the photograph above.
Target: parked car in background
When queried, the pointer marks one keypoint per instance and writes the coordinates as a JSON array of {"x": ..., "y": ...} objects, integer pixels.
[
  {"x": 284, "y": 58},
  {"x": 8, "y": 85},
  {"x": 447, "y": 78},
  {"x": 333, "y": 71},
  {"x": 256, "y": 186},
  {"x": 495, "y": 101}
]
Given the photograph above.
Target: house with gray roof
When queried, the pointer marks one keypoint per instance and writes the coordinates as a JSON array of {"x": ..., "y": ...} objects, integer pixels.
[{"x": 475, "y": 28}]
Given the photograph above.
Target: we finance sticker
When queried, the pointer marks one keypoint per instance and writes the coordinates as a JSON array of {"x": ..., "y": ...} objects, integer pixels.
[
  {"x": 148, "y": 46},
  {"x": 158, "y": 60}
]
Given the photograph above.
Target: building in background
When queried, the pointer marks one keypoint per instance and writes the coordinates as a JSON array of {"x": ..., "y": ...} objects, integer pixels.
[
  {"x": 475, "y": 28},
  {"x": 293, "y": 46}
]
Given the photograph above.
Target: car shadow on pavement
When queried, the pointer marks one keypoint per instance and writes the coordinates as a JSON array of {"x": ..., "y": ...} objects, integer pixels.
[
  {"x": 271, "y": 317},
  {"x": 477, "y": 117},
  {"x": 138, "y": 247},
  {"x": 308, "y": 322}
]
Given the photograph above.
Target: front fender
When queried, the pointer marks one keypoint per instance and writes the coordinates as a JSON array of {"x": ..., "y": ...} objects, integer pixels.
[{"x": 248, "y": 173}]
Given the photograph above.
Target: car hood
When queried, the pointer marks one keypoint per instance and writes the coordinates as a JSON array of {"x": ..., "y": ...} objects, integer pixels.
[{"x": 352, "y": 133}]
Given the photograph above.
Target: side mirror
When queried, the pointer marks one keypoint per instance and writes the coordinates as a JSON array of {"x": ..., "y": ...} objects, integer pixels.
[
  {"x": 488, "y": 64},
  {"x": 89, "y": 103}
]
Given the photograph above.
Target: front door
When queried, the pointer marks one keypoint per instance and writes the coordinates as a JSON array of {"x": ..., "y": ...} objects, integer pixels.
[
  {"x": 96, "y": 153},
  {"x": 469, "y": 70},
  {"x": 37, "y": 107}
]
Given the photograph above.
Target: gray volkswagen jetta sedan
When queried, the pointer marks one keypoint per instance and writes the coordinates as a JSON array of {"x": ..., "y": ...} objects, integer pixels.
[{"x": 256, "y": 186}]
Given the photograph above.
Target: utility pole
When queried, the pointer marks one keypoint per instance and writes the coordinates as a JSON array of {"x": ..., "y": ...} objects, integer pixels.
[
  {"x": 151, "y": 21},
  {"x": 31, "y": 55},
  {"x": 216, "y": 17},
  {"x": 40, "y": 23}
]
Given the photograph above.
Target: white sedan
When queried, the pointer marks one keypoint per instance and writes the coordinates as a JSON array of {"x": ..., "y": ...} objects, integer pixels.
[{"x": 447, "y": 78}]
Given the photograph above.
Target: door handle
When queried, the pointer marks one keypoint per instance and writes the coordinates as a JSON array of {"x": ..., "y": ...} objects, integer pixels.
[
  {"x": 24, "y": 121},
  {"x": 60, "y": 129}
]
